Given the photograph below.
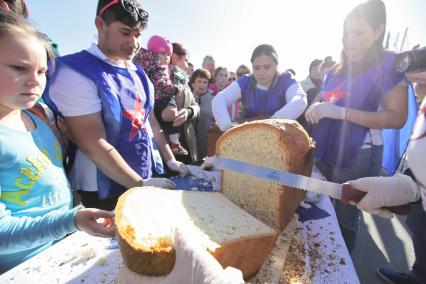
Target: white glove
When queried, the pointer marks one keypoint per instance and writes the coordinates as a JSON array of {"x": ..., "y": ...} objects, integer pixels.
[
  {"x": 159, "y": 182},
  {"x": 177, "y": 166},
  {"x": 318, "y": 111},
  {"x": 208, "y": 163},
  {"x": 229, "y": 126},
  {"x": 385, "y": 191},
  {"x": 193, "y": 265}
]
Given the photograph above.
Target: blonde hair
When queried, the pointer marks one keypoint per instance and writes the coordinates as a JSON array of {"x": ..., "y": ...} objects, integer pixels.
[{"x": 12, "y": 24}]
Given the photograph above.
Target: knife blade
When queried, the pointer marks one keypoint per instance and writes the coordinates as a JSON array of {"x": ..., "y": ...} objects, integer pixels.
[{"x": 344, "y": 192}]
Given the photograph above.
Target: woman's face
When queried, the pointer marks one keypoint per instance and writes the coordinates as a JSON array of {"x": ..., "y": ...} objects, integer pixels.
[
  {"x": 264, "y": 69},
  {"x": 316, "y": 73},
  {"x": 221, "y": 79},
  {"x": 180, "y": 61},
  {"x": 200, "y": 86},
  {"x": 358, "y": 37}
]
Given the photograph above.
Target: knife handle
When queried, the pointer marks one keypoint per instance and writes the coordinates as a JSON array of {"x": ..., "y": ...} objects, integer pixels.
[{"x": 351, "y": 194}]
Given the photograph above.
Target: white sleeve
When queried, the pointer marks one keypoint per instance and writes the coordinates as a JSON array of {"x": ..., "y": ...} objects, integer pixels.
[
  {"x": 221, "y": 102},
  {"x": 296, "y": 103},
  {"x": 73, "y": 94}
]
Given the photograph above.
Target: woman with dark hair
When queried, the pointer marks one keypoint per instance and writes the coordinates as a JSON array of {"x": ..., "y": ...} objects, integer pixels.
[
  {"x": 265, "y": 93},
  {"x": 361, "y": 95}
]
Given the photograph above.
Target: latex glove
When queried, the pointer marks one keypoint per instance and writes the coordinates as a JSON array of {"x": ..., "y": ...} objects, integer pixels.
[
  {"x": 229, "y": 126},
  {"x": 159, "y": 182},
  {"x": 385, "y": 191},
  {"x": 193, "y": 265},
  {"x": 318, "y": 111},
  {"x": 95, "y": 222},
  {"x": 181, "y": 118},
  {"x": 177, "y": 166},
  {"x": 207, "y": 164}
]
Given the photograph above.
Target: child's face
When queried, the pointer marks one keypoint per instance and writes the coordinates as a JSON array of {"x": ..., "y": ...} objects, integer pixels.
[
  {"x": 200, "y": 86},
  {"x": 23, "y": 67},
  {"x": 221, "y": 78},
  {"x": 164, "y": 58}
]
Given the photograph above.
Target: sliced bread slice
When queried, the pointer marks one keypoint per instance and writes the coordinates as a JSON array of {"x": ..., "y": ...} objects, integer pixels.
[{"x": 146, "y": 217}]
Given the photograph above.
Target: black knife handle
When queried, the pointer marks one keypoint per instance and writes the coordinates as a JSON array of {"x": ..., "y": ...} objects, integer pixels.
[{"x": 351, "y": 194}]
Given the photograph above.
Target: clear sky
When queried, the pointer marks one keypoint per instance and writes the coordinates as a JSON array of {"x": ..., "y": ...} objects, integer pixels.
[{"x": 229, "y": 30}]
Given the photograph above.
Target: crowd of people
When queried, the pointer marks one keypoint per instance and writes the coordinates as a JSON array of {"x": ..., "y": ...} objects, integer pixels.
[{"x": 122, "y": 112}]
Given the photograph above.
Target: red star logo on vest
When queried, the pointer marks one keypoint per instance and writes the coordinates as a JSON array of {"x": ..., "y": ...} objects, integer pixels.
[
  {"x": 137, "y": 117},
  {"x": 335, "y": 94}
]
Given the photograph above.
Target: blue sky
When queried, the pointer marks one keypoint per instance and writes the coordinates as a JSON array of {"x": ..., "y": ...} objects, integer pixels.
[{"x": 229, "y": 30}]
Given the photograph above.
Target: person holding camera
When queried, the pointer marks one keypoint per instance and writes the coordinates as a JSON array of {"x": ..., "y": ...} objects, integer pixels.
[{"x": 361, "y": 95}]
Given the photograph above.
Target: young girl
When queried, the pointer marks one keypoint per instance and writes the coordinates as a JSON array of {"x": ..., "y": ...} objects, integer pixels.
[
  {"x": 155, "y": 61},
  {"x": 35, "y": 199},
  {"x": 360, "y": 96}
]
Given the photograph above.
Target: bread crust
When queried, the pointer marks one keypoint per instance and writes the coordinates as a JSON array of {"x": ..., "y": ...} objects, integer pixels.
[
  {"x": 248, "y": 255},
  {"x": 297, "y": 148},
  {"x": 152, "y": 262}
]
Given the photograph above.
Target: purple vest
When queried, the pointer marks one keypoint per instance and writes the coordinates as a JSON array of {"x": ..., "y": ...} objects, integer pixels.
[
  {"x": 338, "y": 141},
  {"x": 257, "y": 102}
]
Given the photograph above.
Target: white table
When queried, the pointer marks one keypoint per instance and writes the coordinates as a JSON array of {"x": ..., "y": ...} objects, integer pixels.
[{"x": 81, "y": 258}]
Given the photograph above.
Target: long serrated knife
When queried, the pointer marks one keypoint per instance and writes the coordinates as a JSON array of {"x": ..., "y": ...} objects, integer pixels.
[{"x": 343, "y": 192}]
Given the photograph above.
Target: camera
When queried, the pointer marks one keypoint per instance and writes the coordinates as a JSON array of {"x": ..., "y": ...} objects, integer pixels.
[{"x": 411, "y": 60}]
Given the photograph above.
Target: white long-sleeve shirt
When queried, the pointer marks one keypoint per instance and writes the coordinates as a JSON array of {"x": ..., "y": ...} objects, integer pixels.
[{"x": 295, "y": 97}]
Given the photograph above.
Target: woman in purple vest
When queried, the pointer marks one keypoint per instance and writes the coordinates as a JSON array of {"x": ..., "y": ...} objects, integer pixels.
[
  {"x": 265, "y": 93},
  {"x": 360, "y": 96}
]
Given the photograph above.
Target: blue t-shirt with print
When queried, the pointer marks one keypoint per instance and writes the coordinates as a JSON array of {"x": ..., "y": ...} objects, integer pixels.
[{"x": 35, "y": 198}]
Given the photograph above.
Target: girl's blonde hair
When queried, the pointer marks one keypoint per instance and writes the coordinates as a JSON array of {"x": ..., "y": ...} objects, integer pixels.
[{"x": 12, "y": 24}]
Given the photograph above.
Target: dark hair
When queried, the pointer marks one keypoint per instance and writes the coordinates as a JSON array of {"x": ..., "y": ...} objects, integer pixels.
[
  {"x": 291, "y": 71},
  {"x": 117, "y": 12},
  {"x": 264, "y": 49},
  {"x": 314, "y": 63},
  {"x": 200, "y": 73},
  {"x": 179, "y": 50},
  {"x": 374, "y": 12},
  {"x": 18, "y": 6}
]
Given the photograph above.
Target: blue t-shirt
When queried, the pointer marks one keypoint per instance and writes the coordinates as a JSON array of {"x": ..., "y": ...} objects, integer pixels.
[{"x": 35, "y": 198}]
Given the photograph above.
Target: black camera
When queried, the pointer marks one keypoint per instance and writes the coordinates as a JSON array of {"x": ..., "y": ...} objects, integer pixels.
[{"x": 411, "y": 60}]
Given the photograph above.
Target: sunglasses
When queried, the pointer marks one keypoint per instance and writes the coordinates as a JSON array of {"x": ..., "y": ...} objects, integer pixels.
[
  {"x": 232, "y": 79},
  {"x": 128, "y": 6}
]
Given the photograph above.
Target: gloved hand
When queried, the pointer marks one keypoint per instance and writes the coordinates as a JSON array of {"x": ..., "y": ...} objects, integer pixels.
[
  {"x": 385, "y": 191},
  {"x": 159, "y": 182},
  {"x": 318, "y": 111},
  {"x": 177, "y": 166},
  {"x": 193, "y": 265},
  {"x": 229, "y": 126},
  {"x": 208, "y": 163}
]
